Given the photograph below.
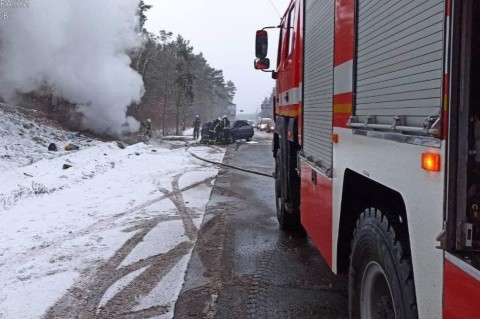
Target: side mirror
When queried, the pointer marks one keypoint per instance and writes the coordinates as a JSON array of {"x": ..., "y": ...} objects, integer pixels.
[
  {"x": 262, "y": 64},
  {"x": 261, "y": 44}
]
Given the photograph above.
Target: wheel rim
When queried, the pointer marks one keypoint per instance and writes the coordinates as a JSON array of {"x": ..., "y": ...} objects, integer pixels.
[{"x": 376, "y": 300}]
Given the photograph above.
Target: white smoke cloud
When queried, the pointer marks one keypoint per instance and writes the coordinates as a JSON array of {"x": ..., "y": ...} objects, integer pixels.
[{"x": 79, "y": 49}]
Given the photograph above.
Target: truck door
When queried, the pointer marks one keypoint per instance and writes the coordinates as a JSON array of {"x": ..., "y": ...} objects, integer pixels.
[
  {"x": 288, "y": 92},
  {"x": 462, "y": 259},
  {"x": 317, "y": 150}
]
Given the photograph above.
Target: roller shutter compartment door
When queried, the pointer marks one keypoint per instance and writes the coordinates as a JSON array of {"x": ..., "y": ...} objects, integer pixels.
[
  {"x": 318, "y": 82},
  {"x": 399, "y": 60}
]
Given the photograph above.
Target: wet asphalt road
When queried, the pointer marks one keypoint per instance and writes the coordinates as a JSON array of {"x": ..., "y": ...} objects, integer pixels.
[{"x": 243, "y": 266}]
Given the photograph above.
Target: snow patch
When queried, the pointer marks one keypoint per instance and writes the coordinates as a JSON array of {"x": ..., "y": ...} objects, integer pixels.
[
  {"x": 161, "y": 239},
  {"x": 30, "y": 301},
  {"x": 188, "y": 132},
  {"x": 167, "y": 290},
  {"x": 59, "y": 226},
  {"x": 118, "y": 286}
]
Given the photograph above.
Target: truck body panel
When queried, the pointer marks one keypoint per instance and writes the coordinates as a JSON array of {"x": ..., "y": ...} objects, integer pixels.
[{"x": 368, "y": 85}]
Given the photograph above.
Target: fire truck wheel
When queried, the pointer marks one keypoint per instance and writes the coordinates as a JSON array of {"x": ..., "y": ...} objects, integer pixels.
[
  {"x": 288, "y": 221},
  {"x": 279, "y": 199},
  {"x": 380, "y": 275}
]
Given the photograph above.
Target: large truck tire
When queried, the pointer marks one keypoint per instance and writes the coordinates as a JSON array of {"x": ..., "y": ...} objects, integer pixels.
[
  {"x": 381, "y": 283},
  {"x": 288, "y": 221}
]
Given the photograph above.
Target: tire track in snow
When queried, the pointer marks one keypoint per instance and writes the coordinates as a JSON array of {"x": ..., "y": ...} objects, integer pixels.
[
  {"x": 105, "y": 224},
  {"x": 83, "y": 299},
  {"x": 185, "y": 213}
]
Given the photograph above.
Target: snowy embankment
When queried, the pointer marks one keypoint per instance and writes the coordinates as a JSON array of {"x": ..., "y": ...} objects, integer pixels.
[{"x": 110, "y": 235}]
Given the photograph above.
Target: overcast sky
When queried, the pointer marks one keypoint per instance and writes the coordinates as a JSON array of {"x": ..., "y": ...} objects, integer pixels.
[{"x": 224, "y": 30}]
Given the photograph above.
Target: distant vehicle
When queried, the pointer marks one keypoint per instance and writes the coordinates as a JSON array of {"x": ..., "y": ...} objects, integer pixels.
[
  {"x": 263, "y": 124},
  {"x": 271, "y": 127},
  {"x": 241, "y": 129}
]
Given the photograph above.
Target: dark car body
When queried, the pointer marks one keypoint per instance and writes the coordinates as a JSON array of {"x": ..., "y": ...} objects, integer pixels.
[
  {"x": 205, "y": 128},
  {"x": 204, "y": 132},
  {"x": 210, "y": 137},
  {"x": 242, "y": 130}
]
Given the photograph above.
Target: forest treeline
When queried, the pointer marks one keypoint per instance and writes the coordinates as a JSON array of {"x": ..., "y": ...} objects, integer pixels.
[{"x": 179, "y": 83}]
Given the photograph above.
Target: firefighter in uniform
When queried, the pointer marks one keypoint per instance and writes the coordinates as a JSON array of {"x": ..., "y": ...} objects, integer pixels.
[
  {"x": 196, "y": 127},
  {"x": 226, "y": 121},
  {"x": 226, "y": 129},
  {"x": 217, "y": 128},
  {"x": 148, "y": 129}
]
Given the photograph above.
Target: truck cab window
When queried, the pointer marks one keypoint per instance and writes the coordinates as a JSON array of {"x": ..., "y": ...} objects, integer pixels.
[
  {"x": 291, "y": 33},
  {"x": 279, "y": 53}
]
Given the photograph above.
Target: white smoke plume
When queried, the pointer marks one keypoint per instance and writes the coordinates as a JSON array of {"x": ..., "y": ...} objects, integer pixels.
[{"x": 79, "y": 48}]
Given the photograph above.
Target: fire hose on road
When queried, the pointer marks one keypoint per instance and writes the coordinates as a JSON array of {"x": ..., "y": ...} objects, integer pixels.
[{"x": 231, "y": 166}]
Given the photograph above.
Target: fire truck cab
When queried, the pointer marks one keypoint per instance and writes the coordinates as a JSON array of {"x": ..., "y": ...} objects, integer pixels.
[{"x": 377, "y": 148}]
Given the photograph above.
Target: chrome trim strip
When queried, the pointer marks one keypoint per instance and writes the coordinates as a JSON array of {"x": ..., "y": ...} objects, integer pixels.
[
  {"x": 407, "y": 129},
  {"x": 401, "y": 138},
  {"x": 316, "y": 168}
]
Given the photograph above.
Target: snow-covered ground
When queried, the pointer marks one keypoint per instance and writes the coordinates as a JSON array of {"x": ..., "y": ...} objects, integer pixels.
[
  {"x": 108, "y": 236},
  {"x": 188, "y": 132}
]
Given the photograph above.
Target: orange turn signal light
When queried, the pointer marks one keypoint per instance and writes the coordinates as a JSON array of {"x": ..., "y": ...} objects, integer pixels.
[
  {"x": 431, "y": 162},
  {"x": 335, "y": 138}
]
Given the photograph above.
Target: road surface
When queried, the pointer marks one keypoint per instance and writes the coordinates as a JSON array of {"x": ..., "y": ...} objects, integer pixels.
[{"x": 243, "y": 266}]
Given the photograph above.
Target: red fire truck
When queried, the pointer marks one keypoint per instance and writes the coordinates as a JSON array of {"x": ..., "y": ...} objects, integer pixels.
[{"x": 377, "y": 148}]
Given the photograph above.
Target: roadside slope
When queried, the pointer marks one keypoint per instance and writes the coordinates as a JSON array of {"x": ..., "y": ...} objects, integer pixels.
[{"x": 109, "y": 236}]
